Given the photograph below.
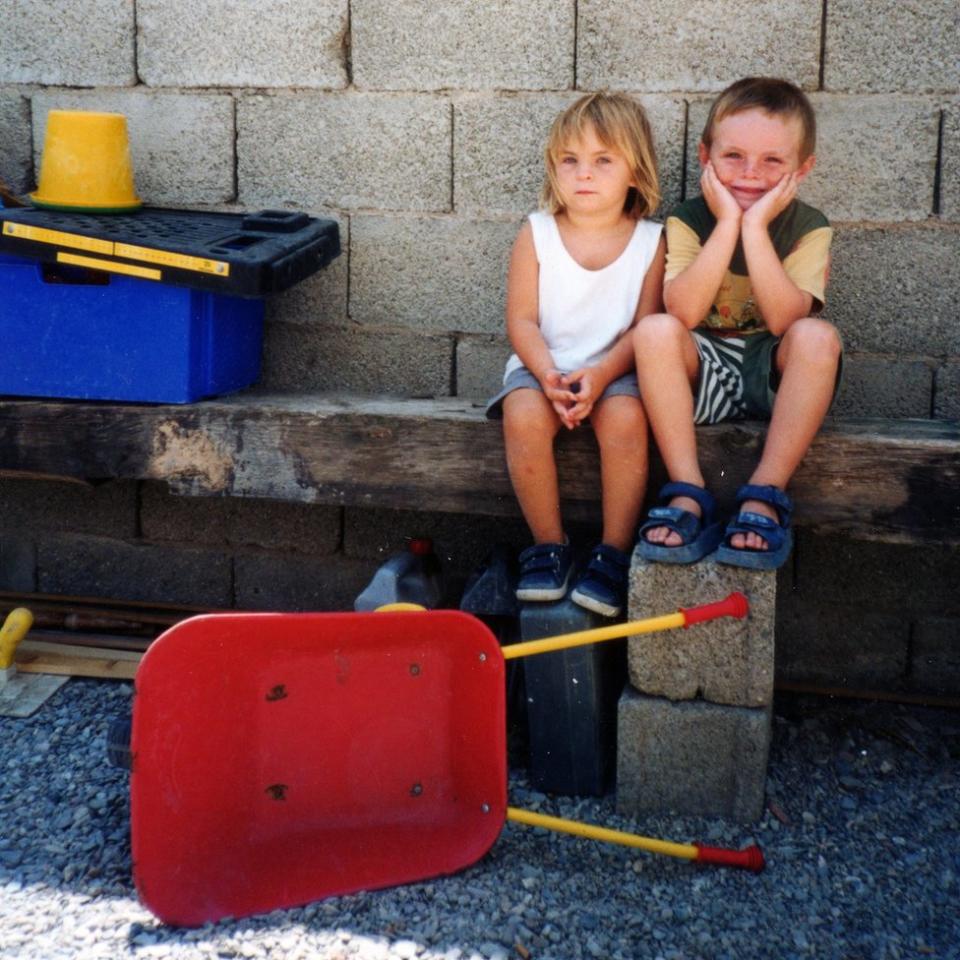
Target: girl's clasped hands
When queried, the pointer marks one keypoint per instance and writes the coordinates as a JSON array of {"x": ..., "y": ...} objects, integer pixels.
[{"x": 572, "y": 394}]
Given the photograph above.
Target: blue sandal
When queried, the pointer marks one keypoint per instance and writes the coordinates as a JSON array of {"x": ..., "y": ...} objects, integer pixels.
[
  {"x": 778, "y": 536},
  {"x": 700, "y": 535}
]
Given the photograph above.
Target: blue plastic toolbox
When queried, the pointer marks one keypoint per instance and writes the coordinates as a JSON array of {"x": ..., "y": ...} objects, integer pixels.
[{"x": 79, "y": 333}]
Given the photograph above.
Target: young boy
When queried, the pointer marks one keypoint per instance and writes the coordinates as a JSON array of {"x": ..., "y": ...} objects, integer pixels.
[{"x": 747, "y": 265}]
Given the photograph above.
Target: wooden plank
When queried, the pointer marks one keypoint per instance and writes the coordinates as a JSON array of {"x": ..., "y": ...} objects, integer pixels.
[
  {"x": 105, "y": 664},
  {"x": 104, "y": 641},
  {"x": 887, "y": 480},
  {"x": 81, "y": 651}
]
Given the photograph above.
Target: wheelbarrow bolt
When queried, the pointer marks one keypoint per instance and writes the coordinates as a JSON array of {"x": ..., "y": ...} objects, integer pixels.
[
  {"x": 414, "y": 669},
  {"x": 416, "y": 790}
]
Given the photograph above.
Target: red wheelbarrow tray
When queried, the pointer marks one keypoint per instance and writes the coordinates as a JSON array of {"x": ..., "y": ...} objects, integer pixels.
[{"x": 282, "y": 758}]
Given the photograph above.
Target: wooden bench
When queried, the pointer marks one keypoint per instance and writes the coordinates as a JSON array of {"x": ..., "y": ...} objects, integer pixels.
[{"x": 891, "y": 480}]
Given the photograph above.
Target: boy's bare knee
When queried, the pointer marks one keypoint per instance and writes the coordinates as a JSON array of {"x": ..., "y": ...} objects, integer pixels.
[
  {"x": 657, "y": 329},
  {"x": 813, "y": 338}
]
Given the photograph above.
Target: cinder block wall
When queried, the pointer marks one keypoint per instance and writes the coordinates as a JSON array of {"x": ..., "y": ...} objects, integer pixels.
[{"x": 418, "y": 127}]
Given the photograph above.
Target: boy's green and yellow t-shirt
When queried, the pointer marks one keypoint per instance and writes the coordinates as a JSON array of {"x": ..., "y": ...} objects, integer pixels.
[{"x": 801, "y": 236}]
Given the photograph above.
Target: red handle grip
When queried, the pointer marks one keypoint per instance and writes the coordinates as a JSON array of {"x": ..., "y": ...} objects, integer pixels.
[
  {"x": 750, "y": 858},
  {"x": 736, "y": 605}
]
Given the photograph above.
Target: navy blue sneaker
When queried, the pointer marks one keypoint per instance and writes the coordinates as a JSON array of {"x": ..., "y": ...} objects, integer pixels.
[
  {"x": 603, "y": 586},
  {"x": 545, "y": 570}
]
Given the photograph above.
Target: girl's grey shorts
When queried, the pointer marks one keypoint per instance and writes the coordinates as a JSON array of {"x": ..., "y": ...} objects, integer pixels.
[{"x": 522, "y": 377}]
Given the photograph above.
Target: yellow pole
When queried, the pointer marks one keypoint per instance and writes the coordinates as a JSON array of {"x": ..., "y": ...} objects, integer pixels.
[
  {"x": 669, "y": 621},
  {"x": 14, "y": 629},
  {"x": 686, "y": 851}
]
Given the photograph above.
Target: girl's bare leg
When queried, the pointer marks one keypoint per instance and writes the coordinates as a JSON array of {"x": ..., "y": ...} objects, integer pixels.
[
  {"x": 529, "y": 427},
  {"x": 621, "y": 429}
]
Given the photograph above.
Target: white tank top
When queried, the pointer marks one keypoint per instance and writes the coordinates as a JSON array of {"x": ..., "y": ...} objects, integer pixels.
[{"x": 583, "y": 312}]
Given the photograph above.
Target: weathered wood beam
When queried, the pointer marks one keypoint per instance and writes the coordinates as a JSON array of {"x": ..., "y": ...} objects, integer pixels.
[{"x": 877, "y": 479}]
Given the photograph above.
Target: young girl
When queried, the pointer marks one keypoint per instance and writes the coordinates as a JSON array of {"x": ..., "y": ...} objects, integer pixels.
[{"x": 583, "y": 271}]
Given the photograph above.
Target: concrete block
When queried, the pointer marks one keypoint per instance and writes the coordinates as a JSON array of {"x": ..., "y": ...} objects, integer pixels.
[
  {"x": 18, "y": 564},
  {"x": 950, "y": 163},
  {"x": 935, "y": 660},
  {"x": 83, "y": 43},
  {"x": 947, "y": 392},
  {"x": 460, "y": 44},
  {"x": 391, "y": 152},
  {"x": 297, "y": 527},
  {"x": 221, "y": 43},
  {"x": 461, "y": 541},
  {"x": 883, "y": 296},
  {"x": 320, "y": 299},
  {"x": 430, "y": 274},
  {"x": 480, "y": 364},
  {"x": 876, "y": 156},
  {"x": 16, "y": 157},
  {"x": 98, "y": 567},
  {"x": 898, "y": 47},
  {"x": 881, "y": 387},
  {"x": 181, "y": 144},
  {"x": 498, "y": 148},
  {"x": 840, "y": 645},
  {"x": 728, "y": 661},
  {"x": 269, "y": 581},
  {"x": 902, "y": 579},
  {"x": 357, "y": 359},
  {"x": 47, "y": 506},
  {"x": 691, "y": 758},
  {"x": 649, "y": 45}
]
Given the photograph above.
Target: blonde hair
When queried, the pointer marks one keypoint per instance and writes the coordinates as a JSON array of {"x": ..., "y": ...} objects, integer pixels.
[
  {"x": 776, "y": 97},
  {"x": 619, "y": 122}
]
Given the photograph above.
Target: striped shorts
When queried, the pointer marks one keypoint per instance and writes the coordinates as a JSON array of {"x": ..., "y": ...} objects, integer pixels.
[{"x": 737, "y": 377}]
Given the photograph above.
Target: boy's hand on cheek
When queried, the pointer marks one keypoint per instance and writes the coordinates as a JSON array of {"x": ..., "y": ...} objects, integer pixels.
[
  {"x": 719, "y": 199},
  {"x": 772, "y": 203}
]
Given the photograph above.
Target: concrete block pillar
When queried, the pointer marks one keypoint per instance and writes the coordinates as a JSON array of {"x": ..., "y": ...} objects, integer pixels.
[{"x": 694, "y": 720}]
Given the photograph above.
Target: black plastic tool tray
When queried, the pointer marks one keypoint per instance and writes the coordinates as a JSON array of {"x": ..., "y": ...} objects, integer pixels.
[{"x": 247, "y": 255}]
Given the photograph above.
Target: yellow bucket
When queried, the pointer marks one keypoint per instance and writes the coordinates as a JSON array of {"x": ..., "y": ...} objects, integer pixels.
[{"x": 86, "y": 164}]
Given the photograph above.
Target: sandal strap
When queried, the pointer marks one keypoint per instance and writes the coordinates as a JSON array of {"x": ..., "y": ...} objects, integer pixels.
[
  {"x": 681, "y": 522},
  {"x": 771, "y": 531},
  {"x": 702, "y": 497},
  {"x": 770, "y": 495}
]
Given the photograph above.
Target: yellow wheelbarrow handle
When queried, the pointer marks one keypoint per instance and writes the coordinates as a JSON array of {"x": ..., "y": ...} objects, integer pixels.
[{"x": 14, "y": 629}]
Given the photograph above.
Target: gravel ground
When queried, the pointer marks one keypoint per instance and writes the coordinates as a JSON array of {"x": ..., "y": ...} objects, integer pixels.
[{"x": 861, "y": 839}]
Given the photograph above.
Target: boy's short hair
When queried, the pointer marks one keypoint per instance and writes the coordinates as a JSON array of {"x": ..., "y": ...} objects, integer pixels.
[
  {"x": 619, "y": 121},
  {"x": 774, "y": 96}
]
